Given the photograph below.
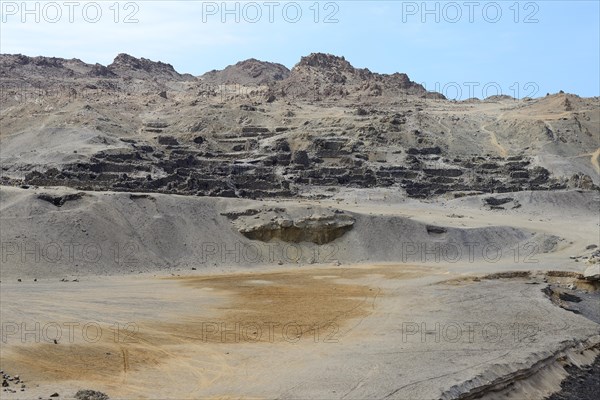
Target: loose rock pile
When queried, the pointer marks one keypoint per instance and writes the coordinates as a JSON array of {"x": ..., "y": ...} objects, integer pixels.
[{"x": 12, "y": 384}]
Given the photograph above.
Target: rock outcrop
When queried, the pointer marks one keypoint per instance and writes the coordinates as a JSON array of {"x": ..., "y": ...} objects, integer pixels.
[{"x": 319, "y": 226}]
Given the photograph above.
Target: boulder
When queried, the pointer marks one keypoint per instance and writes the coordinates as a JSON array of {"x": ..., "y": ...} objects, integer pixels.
[
  {"x": 167, "y": 141},
  {"x": 300, "y": 157},
  {"x": 592, "y": 273},
  {"x": 91, "y": 394}
]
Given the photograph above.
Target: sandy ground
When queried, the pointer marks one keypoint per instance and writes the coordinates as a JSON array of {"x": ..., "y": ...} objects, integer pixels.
[
  {"x": 349, "y": 330},
  {"x": 343, "y": 332},
  {"x": 381, "y": 331},
  {"x": 113, "y": 233}
]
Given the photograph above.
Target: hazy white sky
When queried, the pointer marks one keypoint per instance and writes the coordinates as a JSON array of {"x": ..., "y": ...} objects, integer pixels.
[{"x": 460, "y": 48}]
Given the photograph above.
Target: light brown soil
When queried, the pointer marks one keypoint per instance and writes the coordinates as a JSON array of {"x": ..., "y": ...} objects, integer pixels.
[{"x": 283, "y": 306}]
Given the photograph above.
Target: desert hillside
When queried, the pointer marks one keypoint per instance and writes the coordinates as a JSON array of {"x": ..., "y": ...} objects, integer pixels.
[
  {"x": 259, "y": 130},
  {"x": 314, "y": 232}
]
